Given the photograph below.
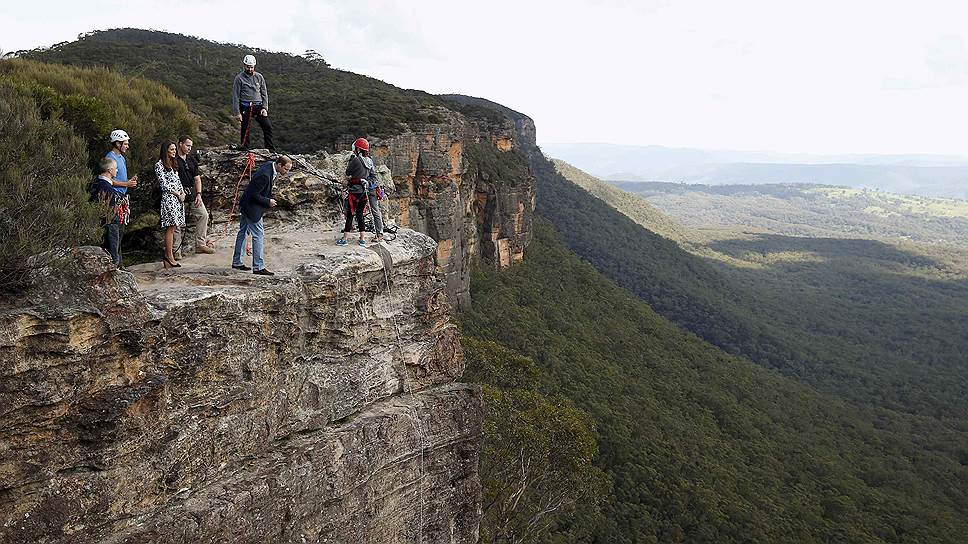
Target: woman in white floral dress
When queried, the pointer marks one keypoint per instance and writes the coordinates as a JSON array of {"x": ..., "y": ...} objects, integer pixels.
[{"x": 172, "y": 196}]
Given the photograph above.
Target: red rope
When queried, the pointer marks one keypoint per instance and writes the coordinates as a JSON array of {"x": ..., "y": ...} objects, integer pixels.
[
  {"x": 248, "y": 127},
  {"x": 249, "y": 165},
  {"x": 247, "y": 169}
]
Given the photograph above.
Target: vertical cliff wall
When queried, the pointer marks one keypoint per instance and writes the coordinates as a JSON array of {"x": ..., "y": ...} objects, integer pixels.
[
  {"x": 440, "y": 189},
  {"x": 212, "y": 405},
  {"x": 462, "y": 181}
]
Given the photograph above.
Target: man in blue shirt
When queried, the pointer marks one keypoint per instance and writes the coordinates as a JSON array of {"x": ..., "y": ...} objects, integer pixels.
[{"x": 119, "y": 145}]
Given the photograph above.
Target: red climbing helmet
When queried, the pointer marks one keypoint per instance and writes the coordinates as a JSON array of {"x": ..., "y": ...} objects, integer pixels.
[{"x": 361, "y": 144}]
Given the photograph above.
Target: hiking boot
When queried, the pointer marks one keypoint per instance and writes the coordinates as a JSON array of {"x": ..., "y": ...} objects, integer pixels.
[
  {"x": 341, "y": 242},
  {"x": 204, "y": 249},
  {"x": 263, "y": 272},
  {"x": 240, "y": 267}
]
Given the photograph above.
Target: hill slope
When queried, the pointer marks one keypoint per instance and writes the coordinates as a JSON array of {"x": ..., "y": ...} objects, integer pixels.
[
  {"x": 809, "y": 210},
  {"x": 312, "y": 105},
  {"x": 635, "y": 208},
  {"x": 702, "y": 446},
  {"x": 860, "y": 318}
]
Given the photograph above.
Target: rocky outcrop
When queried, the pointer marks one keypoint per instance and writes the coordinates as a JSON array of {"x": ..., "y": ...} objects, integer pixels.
[
  {"x": 206, "y": 404},
  {"x": 319, "y": 405},
  {"x": 433, "y": 186}
]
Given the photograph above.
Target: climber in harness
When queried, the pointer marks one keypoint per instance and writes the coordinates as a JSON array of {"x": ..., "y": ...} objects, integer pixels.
[
  {"x": 374, "y": 194},
  {"x": 357, "y": 173},
  {"x": 250, "y": 102}
]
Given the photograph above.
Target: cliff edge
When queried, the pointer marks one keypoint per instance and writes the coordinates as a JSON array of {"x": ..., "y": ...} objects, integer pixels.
[{"x": 186, "y": 405}]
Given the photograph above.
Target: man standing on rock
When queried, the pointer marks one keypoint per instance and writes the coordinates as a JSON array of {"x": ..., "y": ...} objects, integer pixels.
[
  {"x": 253, "y": 205},
  {"x": 250, "y": 99},
  {"x": 194, "y": 207}
]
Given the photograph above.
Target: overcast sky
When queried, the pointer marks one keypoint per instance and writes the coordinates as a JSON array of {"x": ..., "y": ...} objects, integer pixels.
[{"x": 815, "y": 76}]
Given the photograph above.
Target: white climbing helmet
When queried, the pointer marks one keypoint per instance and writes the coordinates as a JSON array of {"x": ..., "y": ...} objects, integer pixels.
[
  {"x": 119, "y": 136},
  {"x": 248, "y": 60}
]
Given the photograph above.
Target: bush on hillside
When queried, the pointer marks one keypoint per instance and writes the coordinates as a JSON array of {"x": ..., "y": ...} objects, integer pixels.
[
  {"x": 486, "y": 162},
  {"x": 43, "y": 179},
  {"x": 312, "y": 105},
  {"x": 95, "y": 101},
  {"x": 537, "y": 458}
]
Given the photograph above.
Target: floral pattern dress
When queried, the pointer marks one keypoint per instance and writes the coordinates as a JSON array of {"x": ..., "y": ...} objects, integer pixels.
[{"x": 172, "y": 211}]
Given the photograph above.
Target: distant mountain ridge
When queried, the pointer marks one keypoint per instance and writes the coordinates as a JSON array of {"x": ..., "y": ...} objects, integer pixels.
[{"x": 924, "y": 175}]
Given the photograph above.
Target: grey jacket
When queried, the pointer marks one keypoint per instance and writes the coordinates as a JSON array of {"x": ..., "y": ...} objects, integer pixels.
[{"x": 248, "y": 88}]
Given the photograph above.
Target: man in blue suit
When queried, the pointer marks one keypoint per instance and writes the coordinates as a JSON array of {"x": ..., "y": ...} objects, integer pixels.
[{"x": 253, "y": 205}]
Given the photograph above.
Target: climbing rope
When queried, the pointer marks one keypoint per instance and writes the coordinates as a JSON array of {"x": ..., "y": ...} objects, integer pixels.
[
  {"x": 414, "y": 416},
  {"x": 247, "y": 169}
]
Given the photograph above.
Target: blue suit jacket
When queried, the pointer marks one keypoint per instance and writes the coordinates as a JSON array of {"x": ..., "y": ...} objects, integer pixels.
[{"x": 255, "y": 199}]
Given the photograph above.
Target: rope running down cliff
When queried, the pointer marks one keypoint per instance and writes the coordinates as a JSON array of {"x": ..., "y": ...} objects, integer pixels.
[
  {"x": 412, "y": 414},
  {"x": 414, "y": 417}
]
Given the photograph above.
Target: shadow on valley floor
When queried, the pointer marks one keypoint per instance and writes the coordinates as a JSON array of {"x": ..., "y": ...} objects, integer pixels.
[{"x": 830, "y": 249}]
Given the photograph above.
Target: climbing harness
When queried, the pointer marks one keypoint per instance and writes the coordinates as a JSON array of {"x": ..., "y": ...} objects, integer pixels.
[{"x": 389, "y": 228}]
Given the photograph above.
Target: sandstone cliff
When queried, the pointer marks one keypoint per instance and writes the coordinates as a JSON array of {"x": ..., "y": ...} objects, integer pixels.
[
  {"x": 439, "y": 191},
  {"x": 205, "y": 404}
]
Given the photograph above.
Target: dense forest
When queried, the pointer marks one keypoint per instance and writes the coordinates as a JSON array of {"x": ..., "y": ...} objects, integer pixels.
[{"x": 700, "y": 446}]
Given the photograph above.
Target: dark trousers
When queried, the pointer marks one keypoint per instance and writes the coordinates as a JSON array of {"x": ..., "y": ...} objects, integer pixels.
[
  {"x": 255, "y": 113},
  {"x": 112, "y": 242},
  {"x": 355, "y": 205}
]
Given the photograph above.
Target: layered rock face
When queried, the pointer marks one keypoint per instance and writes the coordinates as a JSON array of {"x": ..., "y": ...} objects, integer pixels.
[
  {"x": 469, "y": 216},
  {"x": 205, "y": 404}
]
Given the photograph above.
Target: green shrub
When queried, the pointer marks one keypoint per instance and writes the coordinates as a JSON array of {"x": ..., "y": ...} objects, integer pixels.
[
  {"x": 95, "y": 101},
  {"x": 43, "y": 180},
  {"x": 499, "y": 167},
  {"x": 536, "y": 463}
]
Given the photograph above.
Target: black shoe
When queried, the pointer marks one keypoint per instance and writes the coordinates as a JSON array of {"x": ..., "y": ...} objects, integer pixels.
[
  {"x": 240, "y": 267},
  {"x": 263, "y": 272}
]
